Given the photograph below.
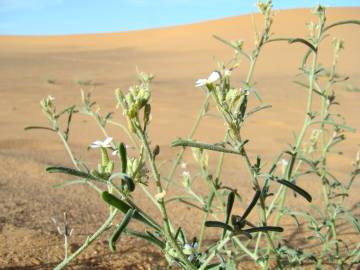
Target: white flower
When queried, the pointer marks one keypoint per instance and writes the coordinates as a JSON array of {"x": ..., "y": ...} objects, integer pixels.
[
  {"x": 186, "y": 174},
  {"x": 191, "y": 250},
  {"x": 104, "y": 144},
  {"x": 214, "y": 76},
  {"x": 51, "y": 98},
  {"x": 183, "y": 165}
]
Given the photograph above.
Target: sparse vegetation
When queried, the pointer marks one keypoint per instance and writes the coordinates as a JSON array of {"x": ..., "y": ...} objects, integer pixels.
[
  {"x": 262, "y": 240},
  {"x": 51, "y": 81},
  {"x": 84, "y": 82}
]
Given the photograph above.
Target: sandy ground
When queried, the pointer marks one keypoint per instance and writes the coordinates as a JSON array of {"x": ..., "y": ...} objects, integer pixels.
[{"x": 177, "y": 56}]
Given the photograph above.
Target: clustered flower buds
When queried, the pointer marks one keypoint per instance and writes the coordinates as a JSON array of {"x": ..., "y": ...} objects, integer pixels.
[
  {"x": 137, "y": 96},
  {"x": 48, "y": 107},
  {"x": 136, "y": 99},
  {"x": 137, "y": 170},
  {"x": 230, "y": 101},
  {"x": 264, "y": 7}
]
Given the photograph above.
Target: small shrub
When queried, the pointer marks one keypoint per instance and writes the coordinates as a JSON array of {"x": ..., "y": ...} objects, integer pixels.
[
  {"x": 85, "y": 82},
  {"x": 51, "y": 81},
  {"x": 322, "y": 130}
]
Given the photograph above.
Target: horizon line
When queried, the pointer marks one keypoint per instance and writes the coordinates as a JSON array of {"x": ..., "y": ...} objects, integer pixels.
[{"x": 151, "y": 28}]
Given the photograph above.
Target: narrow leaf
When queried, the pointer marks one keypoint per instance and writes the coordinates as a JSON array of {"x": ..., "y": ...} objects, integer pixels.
[
  {"x": 67, "y": 131},
  {"x": 296, "y": 188},
  {"x": 229, "y": 206},
  {"x": 354, "y": 221},
  {"x": 124, "y": 207},
  {"x": 74, "y": 172},
  {"x": 69, "y": 183},
  {"x": 39, "y": 127},
  {"x": 258, "y": 108},
  {"x": 341, "y": 23},
  {"x": 150, "y": 238},
  {"x": 264, "y": 229},
  {"x": 214, "y": 266},
  {"x": 121, "y": 227},
  {"x": 232, "y": 46},
  {"x": 306, "y": 57},
  {"x": 294, "y": 40},
  {"x": 217, "y": 148},
  {"x": 251, "y": 205},
  {"x": 218, "y": 224},
  {"x": 307, "y": 86},
  {"x": 334, "y": 124},
  {"x": 67, "y": 110},
  {"x": 303, "y": 41}
]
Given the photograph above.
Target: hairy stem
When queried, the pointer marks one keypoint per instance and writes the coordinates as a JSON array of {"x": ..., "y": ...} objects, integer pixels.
[
  {"x": 161, "y": 202},
  {"x": 191, "y": 134}
]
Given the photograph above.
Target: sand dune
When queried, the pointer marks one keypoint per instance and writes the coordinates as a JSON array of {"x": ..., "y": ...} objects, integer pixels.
[{"x": 177, "y": 56}]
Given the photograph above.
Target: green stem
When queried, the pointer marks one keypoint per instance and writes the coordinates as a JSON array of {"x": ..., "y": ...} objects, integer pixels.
[
  {"x": 67, "y": 147},
  {"x": 245, "y": 249},
  {"x": 262, "y": 206},
  {"x": 191, "y": 134},
  {"x": 202, "y": 230},
  {"x": 301, "y": 136},
  {"x": 71, "y": 155},
  {"x": 221, "y": 161},
  {"x": 212, "y": 255},
  {"x": 161, "y": 202}
]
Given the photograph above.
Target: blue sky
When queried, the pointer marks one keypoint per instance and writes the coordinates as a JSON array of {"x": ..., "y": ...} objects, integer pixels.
[{"x": 53, "y": 17}]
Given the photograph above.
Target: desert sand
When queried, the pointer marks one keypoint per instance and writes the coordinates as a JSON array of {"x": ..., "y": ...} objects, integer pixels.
[{"x": 177, "y": 56}]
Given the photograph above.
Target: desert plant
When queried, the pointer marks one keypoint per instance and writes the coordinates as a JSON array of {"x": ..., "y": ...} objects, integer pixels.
[
  {"x": 51, "y": 80},
  {"x": 84, "y": 82},
  {"x": 322, "y": 130}
]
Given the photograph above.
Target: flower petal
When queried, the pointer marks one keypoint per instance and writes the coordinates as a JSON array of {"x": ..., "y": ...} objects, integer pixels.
[
  {"x": 186, "y": 174},
  {"x": 200, "y": 82},
  {"x": 187, "y": 246},
  {"x": 214, "y": 76},
  {"x": 107, "y": 142},
  {"x": 96, "y": 144}
]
